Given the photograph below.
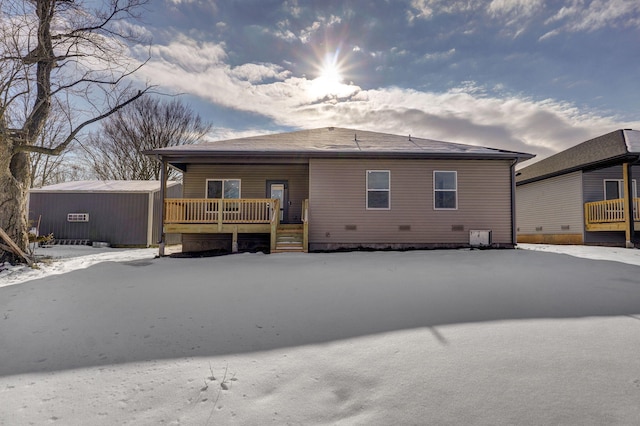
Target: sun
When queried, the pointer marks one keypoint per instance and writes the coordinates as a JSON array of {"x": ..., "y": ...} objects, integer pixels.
[{"x": 329, "y": 82}]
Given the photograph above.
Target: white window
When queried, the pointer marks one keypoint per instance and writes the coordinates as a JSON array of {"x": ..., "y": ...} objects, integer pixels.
[
  {"x": 223, "y": 188},
  {"x": 445, "y": 190},
  {"x": 614, "y": 189},
  {"x": 378, "y": 189}
]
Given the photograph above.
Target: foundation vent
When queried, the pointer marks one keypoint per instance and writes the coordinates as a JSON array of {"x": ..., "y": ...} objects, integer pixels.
[
  {"x": 457, "y": 227},
  {"x": 404, "y": 228},
  {"x": 351, "y": 227}
]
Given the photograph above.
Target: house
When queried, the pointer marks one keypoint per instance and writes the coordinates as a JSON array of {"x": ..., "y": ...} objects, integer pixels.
[
  {"x": 583, "y": 195},
  {"x": 121, "y": 213},
  {"x": 334, "y": 188}
]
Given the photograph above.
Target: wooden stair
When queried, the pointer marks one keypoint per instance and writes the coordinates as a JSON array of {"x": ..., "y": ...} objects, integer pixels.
[{"x": 289, "y": 239}]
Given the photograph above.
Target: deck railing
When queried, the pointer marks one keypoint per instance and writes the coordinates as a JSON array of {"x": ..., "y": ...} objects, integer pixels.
[
  {"x": 609, "y": 211},
  {"x": 214, "y": 210}
]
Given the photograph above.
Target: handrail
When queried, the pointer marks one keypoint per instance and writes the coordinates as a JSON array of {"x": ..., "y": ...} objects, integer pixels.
[
  {"x": 216, "y": 210},
  {"x": 609, "y": 211}
]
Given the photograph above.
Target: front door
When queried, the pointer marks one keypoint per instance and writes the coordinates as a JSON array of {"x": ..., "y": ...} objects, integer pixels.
[{"x": 278, "y": 190}]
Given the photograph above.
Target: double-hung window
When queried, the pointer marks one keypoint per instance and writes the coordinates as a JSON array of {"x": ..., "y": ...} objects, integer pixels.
[
  {"x": 223, "y": 188},
  {"x": 378, "y": 189},
  {"x": 614, "y": 189},
  {"x": 445, "y": 190}
]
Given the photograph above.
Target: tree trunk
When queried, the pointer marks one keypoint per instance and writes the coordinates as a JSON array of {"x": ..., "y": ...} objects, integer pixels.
[{"x": 14, "y": 190}]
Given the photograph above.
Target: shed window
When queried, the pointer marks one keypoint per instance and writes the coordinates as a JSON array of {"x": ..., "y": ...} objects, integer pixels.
[
  {"x": 614, "y": 189},
  {"x": 223, "y": 188},
  {"x": 378, "y": 189},
  {"x": 445, "y": 190},
  {"x": 78, "y": 217}
]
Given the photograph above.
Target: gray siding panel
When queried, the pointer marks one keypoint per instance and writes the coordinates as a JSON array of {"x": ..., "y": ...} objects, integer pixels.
[
  {"x": 551, "y": 204},
  {"x": 337, "y": 198}
]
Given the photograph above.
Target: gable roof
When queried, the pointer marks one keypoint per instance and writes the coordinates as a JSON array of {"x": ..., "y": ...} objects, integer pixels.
[
  {"x": 609, "y": 149},
  {"x": 333, "y": 142},
  {"x": 104, "y": 186}
]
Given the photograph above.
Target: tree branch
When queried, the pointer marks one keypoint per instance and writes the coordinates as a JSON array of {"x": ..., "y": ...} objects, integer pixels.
[{"x": 62, "y": 146}]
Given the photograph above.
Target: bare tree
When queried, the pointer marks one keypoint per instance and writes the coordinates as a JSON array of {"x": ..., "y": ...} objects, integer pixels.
[
  {"x": 114, "y": 152},
  {"x": 57, "y": 55},
  {"x": 51, "y": 169}
]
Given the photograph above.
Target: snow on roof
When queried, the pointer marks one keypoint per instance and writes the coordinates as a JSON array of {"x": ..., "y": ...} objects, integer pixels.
[
  {"x": 334, "y": 140},
  {"x": 632, "y": 139},
  {"x": 104, "y": 186}
]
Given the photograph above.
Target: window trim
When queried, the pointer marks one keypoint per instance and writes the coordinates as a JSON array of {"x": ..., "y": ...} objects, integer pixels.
[
  {"x": 620, "y": 186},
  {"x": 455, "y": 172},
  {"x": 388, "y": 190},
  {"x": 206, "y": 188}
]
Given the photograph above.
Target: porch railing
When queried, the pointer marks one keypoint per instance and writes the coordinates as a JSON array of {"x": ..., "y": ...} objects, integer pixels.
[
  {"x": 609, "y": 211},
  {"x": 213, "y": 210}
]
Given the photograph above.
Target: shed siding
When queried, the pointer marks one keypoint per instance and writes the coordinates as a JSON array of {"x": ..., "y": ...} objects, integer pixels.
[
  {"x": 551, "y": 207},
  {"x": 338, "y": 214},
  {"x": 117, "y": 218},
  {"x": 253, "y": 185}
]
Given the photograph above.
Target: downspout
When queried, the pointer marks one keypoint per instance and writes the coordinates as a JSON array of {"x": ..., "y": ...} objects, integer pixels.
[
  {"x": 163, "y": 194},
  {"x": 512, "y": 169}
]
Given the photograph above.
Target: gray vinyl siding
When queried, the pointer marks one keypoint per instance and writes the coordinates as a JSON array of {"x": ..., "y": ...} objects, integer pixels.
[
  {"x": 338, "y": 214},
  {"x": 593, "y": 186},
  {"x": 551, "y": 205},
  {"x": 253, "y": 185},
  {"x": 117, "y": 218},
  {"x": 593, "y": 181}
]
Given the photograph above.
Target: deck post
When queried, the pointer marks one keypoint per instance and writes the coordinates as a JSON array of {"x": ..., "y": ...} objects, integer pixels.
[
  {"x": 163, "y": 215},
  {"x": 234, "y": 240},
  {"x": 628, "y": 205},
  {"x": 275, "y": 221},
  {"x": 220, "y": 214},
  {"x": 305, "y": 225}
]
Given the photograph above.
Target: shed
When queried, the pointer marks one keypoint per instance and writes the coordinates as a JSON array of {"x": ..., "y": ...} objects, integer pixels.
[{"x": 119, "y": 212}]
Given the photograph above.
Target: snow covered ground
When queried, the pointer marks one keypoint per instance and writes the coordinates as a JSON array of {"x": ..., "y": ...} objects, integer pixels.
[{"x": 540, "y": 335}]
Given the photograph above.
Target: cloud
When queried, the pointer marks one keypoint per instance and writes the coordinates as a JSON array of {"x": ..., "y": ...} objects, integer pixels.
[
  {"x": 257, "y": 73},
  {"x": 438, "y": 56},
  {"x": 514, "y": 9},
  {"x": 578, "y": 17},
  {"x": 466, "y": 114},
  {"x": 517, "y": 16}
]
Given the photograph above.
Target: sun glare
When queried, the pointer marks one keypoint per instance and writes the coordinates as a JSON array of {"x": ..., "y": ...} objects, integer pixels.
[{"x": 329, "y": 81}]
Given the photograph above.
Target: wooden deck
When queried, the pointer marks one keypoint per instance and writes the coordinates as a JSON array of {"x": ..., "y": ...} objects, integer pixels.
[
  {"x": 236, "y": 216},
  {"x": 609, "y": 215}
]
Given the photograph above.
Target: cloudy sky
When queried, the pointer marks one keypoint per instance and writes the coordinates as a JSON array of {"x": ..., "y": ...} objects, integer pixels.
[{"x": 527, "y": 75}]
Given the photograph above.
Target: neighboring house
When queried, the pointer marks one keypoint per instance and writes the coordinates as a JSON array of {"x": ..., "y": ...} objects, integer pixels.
[
  {"x": 121, "y": 213},
  {"x": 583, "y": 195},
  {"x": 334, "y": 188}
]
